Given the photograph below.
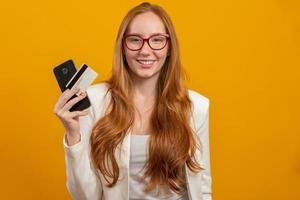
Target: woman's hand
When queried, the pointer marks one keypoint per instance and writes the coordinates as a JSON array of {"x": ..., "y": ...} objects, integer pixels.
[{"x": 70, "y": 120}]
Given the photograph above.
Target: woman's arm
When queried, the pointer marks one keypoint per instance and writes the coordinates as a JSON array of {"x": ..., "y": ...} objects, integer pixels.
[
  {"x": 82, "y": 181},
  {"x": 203, "y": 136}
]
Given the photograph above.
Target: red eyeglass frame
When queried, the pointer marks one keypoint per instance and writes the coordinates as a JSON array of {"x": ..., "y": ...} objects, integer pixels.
[{"x": 146, "y": 39}]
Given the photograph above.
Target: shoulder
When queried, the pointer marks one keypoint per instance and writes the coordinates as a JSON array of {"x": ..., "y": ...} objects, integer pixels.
[
  {"x": 200, "y": 107},
  {"x": 200, "y": 102},
  {"x": 99, "y": 97},
  {"x": 97, "y": 90}
]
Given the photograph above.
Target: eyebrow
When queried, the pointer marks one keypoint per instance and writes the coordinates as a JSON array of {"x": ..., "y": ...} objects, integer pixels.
[{"x": 145, "y": 35}]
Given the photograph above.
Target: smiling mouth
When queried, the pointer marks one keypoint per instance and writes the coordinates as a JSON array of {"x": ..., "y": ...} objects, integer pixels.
[{"x": 146, "y": 62}]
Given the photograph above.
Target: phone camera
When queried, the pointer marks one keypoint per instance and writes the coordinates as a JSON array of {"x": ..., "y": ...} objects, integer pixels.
[{"x": 64, "y": 70}]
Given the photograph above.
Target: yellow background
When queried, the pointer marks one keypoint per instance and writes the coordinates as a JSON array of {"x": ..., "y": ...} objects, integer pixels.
[{"x": 243, "y": 55}]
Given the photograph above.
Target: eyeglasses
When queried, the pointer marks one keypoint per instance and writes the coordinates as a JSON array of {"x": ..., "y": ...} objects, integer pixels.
[{"x": 136, "y": 42}]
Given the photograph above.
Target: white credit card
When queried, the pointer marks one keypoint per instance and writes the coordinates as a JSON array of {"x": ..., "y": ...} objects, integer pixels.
[{"x": 83, "y": 78}]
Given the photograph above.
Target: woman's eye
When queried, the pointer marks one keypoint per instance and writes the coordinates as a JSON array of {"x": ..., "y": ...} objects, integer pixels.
[
  {"x": 158, "y": 39},
  {"x": 134, "y": 40}
]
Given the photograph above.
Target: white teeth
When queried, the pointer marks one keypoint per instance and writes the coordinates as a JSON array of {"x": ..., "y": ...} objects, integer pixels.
[{"x": 146, "y": 62}]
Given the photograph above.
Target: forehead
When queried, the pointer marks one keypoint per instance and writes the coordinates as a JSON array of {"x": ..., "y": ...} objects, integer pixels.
[{"x": 146, "y": 24}]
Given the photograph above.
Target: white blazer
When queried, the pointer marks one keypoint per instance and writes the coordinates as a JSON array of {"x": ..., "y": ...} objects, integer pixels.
[{"x": 87, "y": 183}]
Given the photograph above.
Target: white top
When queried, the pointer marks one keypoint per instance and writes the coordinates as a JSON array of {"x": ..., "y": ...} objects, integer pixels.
[
  {"x": 138, "y": 157},
  {"x": 84, "y": 182}
]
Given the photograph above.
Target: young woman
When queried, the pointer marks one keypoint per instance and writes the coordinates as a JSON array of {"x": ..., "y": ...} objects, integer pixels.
[{"x": 145, "y": 135}]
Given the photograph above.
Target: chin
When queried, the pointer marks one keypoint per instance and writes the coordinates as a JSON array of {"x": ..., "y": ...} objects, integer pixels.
[{"x": 146, "y": 75}]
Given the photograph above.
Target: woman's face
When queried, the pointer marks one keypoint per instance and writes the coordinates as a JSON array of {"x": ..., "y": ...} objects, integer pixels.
[{"x": 146, "y": 63}]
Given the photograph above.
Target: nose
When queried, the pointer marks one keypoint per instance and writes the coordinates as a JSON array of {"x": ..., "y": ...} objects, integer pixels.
[{"x": 145, "y": 50}]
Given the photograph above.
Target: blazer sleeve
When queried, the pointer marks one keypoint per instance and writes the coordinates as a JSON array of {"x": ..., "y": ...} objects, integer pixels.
[
  {"x": 203, "y": 136},
  {"x": 82, "y": 180}
]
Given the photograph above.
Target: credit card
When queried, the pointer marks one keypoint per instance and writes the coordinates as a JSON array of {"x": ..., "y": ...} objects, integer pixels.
[{"x": 83, "y": 78}]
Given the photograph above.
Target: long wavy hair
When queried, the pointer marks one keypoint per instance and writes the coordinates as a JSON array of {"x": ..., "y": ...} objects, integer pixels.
[{"x": 172, "y": 143}]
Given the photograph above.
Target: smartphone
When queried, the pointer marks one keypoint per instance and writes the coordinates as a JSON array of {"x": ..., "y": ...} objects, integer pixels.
[{"x": 63, "y": 74}]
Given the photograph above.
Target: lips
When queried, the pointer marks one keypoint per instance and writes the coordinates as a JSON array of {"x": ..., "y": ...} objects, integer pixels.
[{"x": 145, "y": 63}]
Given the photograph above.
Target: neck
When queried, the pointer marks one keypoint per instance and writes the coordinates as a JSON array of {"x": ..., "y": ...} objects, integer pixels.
[{"x": 145, "y": 88}]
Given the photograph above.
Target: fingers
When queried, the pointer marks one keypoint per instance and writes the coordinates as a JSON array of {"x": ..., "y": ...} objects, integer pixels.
[
  {"x": 69, "y": 119},
  {"x": 66, "y": 95},
  {"x": 79, "y": 113},
  {"x": 73, "y": 101}
]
